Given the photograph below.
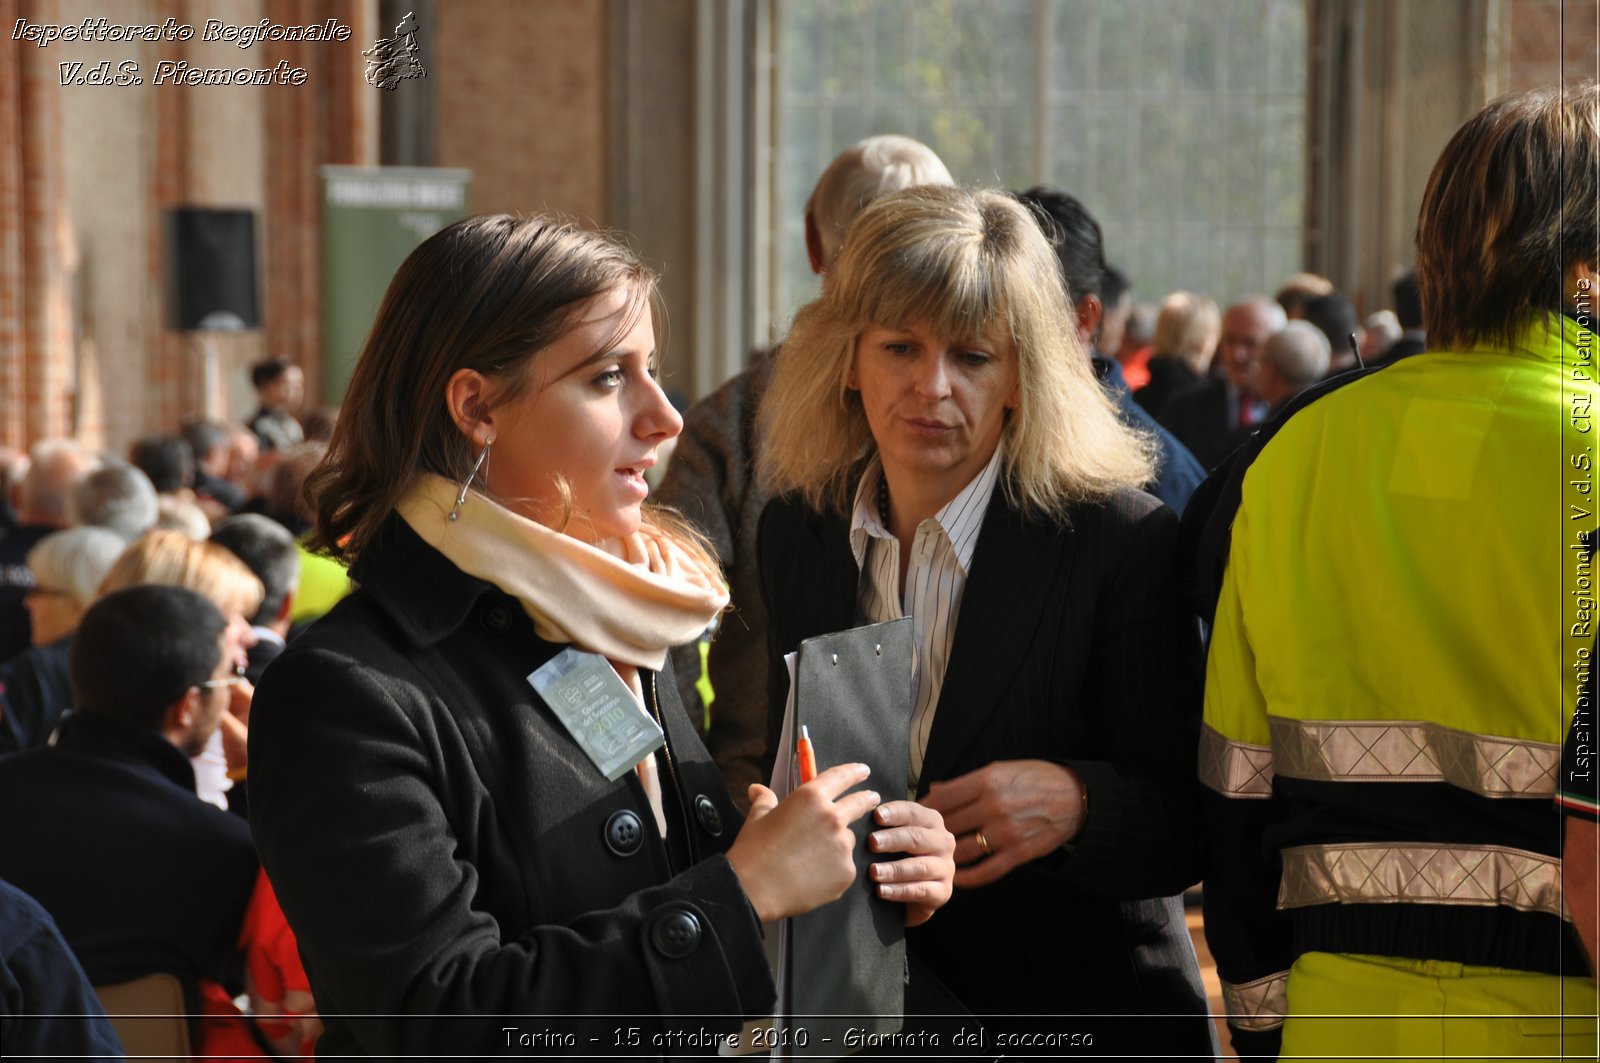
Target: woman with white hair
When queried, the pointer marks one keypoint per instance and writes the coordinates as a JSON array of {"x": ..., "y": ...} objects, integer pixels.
[
  {"x": 943, "y": 451},
  {"x": 1188, "y": 327},
  {"x": 35, "y": 686}
]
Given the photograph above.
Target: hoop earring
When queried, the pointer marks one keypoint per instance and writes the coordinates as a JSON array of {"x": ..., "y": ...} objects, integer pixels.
[{"x": 461, "y": 499}]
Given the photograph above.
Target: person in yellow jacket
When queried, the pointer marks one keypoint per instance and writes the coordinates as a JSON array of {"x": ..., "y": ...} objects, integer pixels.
[{"x": 1402, "y": 632}]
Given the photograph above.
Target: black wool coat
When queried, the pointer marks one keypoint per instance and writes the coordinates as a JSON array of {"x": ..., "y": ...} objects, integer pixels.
[
  {"x": 443, "y": 848},
  {"x": 1071, "y": 646}
]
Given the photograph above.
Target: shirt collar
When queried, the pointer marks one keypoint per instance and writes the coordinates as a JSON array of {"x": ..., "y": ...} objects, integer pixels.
[{"x": 960, "y": 519}]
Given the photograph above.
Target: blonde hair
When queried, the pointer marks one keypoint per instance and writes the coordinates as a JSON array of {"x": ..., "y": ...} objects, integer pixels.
[
  {"x": 860, "y": 174},
  {"x": 964, "y": 262},
  {"x": 170, "y": 558},
  {"x": 1188, "y": 327},
  {"x": 1299, "y": 290},
  {"x": 182, "y": 515}
]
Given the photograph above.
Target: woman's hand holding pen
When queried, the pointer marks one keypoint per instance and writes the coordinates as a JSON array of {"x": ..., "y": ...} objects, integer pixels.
[
  {"x": 922, "y": 880},
  {"x": 796, "y": 854}
]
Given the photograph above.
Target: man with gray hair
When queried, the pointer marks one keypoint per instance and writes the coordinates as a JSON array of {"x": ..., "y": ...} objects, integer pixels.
[
  {"x": 1217, "y": 414},
  {"x": 55, "y": 466},
  {"x": 212, "y": 443},
  {"x": 118, "y": 497},
  {"x": 857, "y": 176},
  {"x": 1294, "y": 358},
  {"x": 268, "y": 550},
  {"x": 711, "y": 478}
]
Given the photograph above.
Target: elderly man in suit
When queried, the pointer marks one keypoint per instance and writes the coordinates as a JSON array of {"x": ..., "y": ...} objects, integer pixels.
[
  {"x": 1293, "y": 358},
  {"x": 1219, "y": 412}
]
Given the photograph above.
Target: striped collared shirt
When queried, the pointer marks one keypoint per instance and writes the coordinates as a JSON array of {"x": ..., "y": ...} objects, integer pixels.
[{"x": 936, "y": 578}]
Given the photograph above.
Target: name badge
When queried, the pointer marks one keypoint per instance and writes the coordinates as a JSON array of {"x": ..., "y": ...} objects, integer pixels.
[{"x": 598, "y": 711}]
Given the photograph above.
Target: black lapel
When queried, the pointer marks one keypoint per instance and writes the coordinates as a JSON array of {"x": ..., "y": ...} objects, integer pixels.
[
  {"x": 836, "y": 578},
  {"x": 1013, "y": 572}
]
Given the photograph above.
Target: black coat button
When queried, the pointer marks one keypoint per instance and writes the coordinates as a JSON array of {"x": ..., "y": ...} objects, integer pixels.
[
  {"x": 624, "y": 832},
  {"x": 496, "y": 618},
  {"x": 676, "y": 934},
  {"x": 706, "y": 812}
]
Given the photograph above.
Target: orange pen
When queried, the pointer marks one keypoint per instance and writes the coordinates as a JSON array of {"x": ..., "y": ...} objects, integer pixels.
[{"x": 808, "y": 756}]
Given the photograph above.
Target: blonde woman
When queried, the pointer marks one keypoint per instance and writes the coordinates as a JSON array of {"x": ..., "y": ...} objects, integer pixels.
[
  {"x": 944, "y": 451},
  {"x": 1187, "y": 329}
]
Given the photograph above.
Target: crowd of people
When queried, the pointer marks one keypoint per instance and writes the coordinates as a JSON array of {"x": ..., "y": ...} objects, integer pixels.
[
  {"x": 1257, "y": 596},
  {"x": 141, "y": 597}
]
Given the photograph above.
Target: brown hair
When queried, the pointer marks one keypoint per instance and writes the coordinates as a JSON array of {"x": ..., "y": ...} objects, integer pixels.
[
  {"x": 965, "y": 262},
  {"x": 1510, "y": 206},
  {"x": 487, "y": 294}
]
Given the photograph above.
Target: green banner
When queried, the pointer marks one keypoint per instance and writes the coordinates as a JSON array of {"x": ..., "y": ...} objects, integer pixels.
[{"x": 372, "y": 218}]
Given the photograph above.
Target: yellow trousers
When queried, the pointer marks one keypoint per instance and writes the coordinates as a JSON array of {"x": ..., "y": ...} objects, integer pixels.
[{"x": 1345, "y": 1007}]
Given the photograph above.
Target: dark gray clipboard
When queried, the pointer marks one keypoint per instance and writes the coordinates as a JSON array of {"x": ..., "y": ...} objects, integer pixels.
[{"x": 845, "y": 963}]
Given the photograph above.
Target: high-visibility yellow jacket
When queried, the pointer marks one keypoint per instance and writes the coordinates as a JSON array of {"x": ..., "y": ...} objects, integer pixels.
[{"x": 1403, "y": 629}]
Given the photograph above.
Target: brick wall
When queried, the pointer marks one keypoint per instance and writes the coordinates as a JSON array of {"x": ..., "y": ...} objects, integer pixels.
[
  {"x": 86, "y": 174},
  {"x": 1552, "y": 41},
  {"x": 37, "y": 384},
  {"x": 522, "y": 102}
]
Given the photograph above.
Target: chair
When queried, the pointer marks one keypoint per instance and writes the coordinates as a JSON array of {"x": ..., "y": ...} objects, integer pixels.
[{"x": 150, "y": 1016}]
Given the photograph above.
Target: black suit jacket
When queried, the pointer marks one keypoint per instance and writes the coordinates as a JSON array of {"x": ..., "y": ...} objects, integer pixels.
[
  {"x": 104, "y": 830},
  {"x": 1206, "y": 418},
  {"x": 1071, "y": 646}
]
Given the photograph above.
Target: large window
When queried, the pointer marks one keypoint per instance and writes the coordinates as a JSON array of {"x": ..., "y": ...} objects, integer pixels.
[{"x": 1179, "y": 123}]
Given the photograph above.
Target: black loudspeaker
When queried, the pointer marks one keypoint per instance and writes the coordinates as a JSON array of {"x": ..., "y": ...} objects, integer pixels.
[{"x": 211, "y": 268}]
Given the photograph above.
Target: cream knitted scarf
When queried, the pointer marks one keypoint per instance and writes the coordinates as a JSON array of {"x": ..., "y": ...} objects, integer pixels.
[{"x": 625, "y": 599}]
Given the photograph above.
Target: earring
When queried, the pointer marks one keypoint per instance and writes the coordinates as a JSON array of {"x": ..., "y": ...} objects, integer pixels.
[{"x": 461, "y": 499}]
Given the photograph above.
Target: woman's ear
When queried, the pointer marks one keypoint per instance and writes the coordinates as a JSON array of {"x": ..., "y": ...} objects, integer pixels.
[
  {"x": 1088, "y": 312},
  {"x": 814, "y": 245},
  {"x": 467, "y": 397}
]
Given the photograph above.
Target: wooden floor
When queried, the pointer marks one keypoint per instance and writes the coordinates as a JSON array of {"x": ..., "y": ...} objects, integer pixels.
[{"x": 1208, "y": 970}]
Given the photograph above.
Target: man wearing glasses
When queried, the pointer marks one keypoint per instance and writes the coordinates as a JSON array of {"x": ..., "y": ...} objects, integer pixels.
[{"x": 104, "y": 828}]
